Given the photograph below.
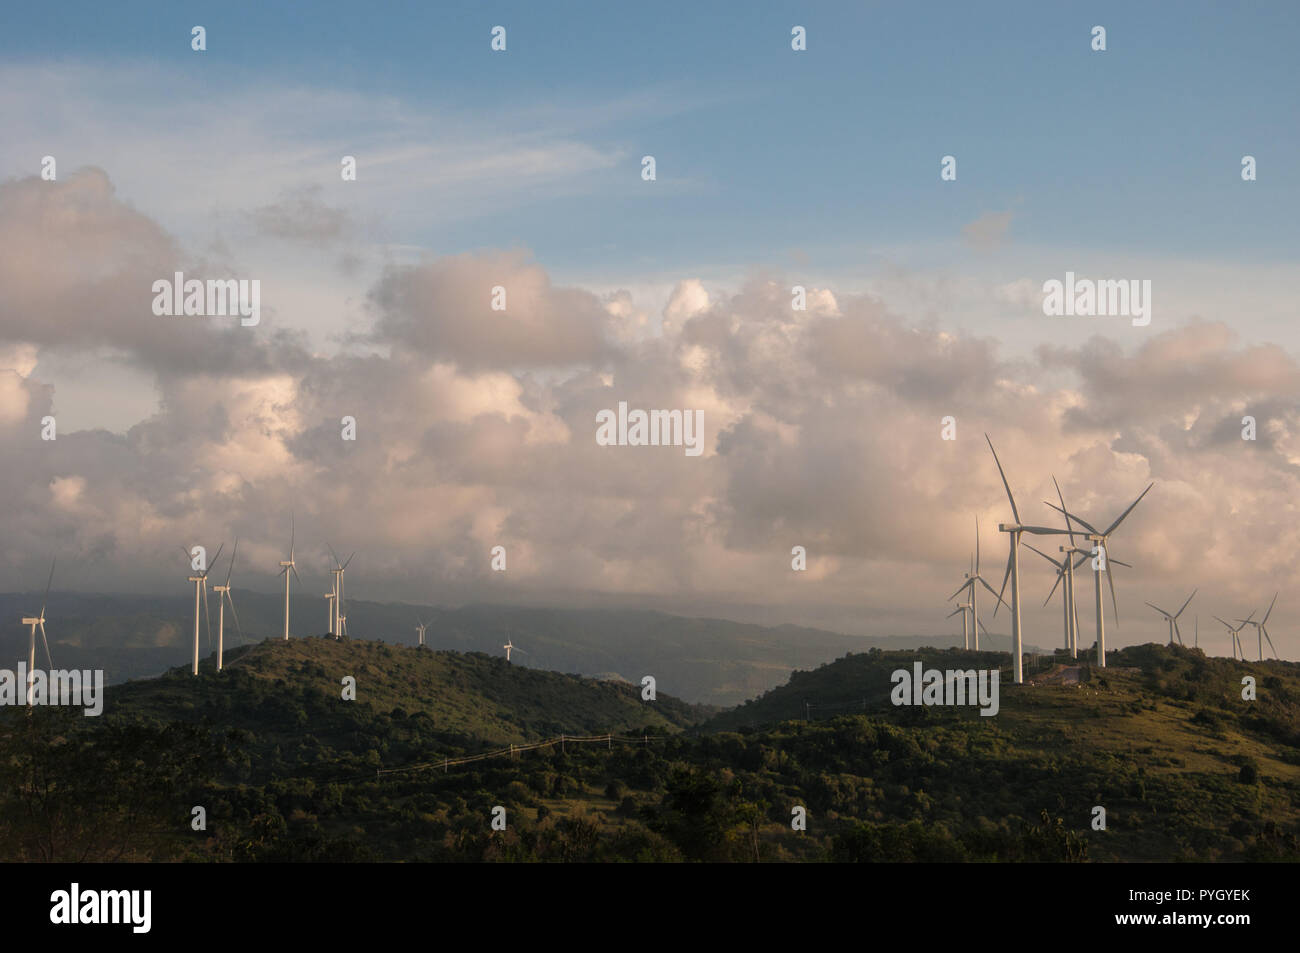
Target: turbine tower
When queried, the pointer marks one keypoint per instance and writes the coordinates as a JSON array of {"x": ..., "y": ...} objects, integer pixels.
[
  {"x": 1014, "y": 531},
  {"x": 1261, "y": 633},
  {"x": 287, "y": 567},
  {"x": 224, "y": 595},
  {"x": 420, "y": 627},
  {"x": 963, "y": 608},
  {"x": 508, "y": 646},
  {"x": 329, "y": 599},
  {"x": 200, "y": 589},
  {"x": 1173, "y": 620},
  {"x": 34, "y": 622},
  {"x": 972, "y": 578},
  {"x": 1101, "y": 563}
]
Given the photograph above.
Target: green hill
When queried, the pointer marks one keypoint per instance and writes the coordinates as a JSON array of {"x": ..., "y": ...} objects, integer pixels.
[
  {"x": 1184, "y": 768},
  {"x": 280, "y": 688}
]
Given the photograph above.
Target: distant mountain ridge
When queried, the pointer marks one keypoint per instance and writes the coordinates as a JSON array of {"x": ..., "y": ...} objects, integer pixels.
[{"x": 701, "y": 660}]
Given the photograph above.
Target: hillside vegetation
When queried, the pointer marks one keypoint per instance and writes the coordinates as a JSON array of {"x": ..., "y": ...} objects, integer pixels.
[{"x": 286, "y": 770}]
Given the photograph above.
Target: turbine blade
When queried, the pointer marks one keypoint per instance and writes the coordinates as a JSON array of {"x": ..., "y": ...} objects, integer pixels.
[
  {"x": 1110, "y": 580},
  {"x": 49, "y": 661},
  {"x": 1120, "y": 562},
  {"x": 977, "y": 545},
  {"x": 45, "y": 598},
  {"x": 1044, "y": 555},
  {"x": 1078, "y": 519},
  {"x": 1115, "y": 525},
  {"x": 1005, "y": 576},
  {"x": 1178, "y": 632},
  {"x": 292, "y": 534},
  {"x": 994, "y": 592},
  {"x": 295, "y": 574},
  {"x": 1067, "y": 516},
  {"x": 333, "y": 554},
  {"x": 1014, "y": 512},
  {"x": 1265, "y": 631},
  {"x": 1158, "y": 609},
  {"x": 1261, "y": 621},
  {"x": 1217, "y": 619},
  {"x": 1189, "y": 599},
  {"x": 348, "y": 560},
  {"x": 959, "y": 591},
  {"x": 1059, "y": 577},
  {"x": 955, "y": 611},
  {"x": 213, "y": 561},
  {"x": 233, "y": 553},
  {"x": 231, "y": 598},
  {"x": 984, "y": 627},
  {"x": 1044, "y": 530},
  {"x": 207, "y": 617}
]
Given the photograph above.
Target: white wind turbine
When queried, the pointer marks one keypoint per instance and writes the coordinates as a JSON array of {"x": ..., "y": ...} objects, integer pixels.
[
  {"x": 973, "y": 578},
  {"x": 1261, "y": 632},
  {"x": 287, "y": 567},
  {"x": 329, "y": 601},
  {"x": 420, "y": 627},
  {"x": 34, "y": 622},
  {"x": 1232, "y": 633},
  {"x": 1014, "y": 530},
  {"x": 963, "y": 608},
  {"x": 1101, "y": 563},
  {"x": 1173, "y": 620},
  {"x": 223, "y": 595},
  {"x": 337, "y": 625},
  {"x": 508, "y": 646},
  {"x": 201, "y": 589}
]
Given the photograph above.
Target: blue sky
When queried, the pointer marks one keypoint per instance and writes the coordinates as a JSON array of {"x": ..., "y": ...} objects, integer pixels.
[{"x": 761, "y": 151}]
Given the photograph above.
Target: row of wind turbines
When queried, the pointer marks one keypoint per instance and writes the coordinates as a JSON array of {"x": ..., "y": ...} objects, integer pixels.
[
  {"x": 337, "y": 625},
  {"x": 1071, "y": 558},
  {"x": 338, "y": 620}
]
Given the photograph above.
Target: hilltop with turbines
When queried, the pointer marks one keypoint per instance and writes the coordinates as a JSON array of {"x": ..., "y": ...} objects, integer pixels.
[{"x": 668, "y": 739}]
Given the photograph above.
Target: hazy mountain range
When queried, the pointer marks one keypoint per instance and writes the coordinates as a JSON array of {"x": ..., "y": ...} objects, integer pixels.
[{"x": 705, "y": 661}]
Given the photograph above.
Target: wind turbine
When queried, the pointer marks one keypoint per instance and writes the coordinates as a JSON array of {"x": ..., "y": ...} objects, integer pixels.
[
  {"x": 201, "y": 583},
  {"x": 508, "y": 646},
  {"x": 1067, "y": 600},
  {"x": 339, "y": 569},
  {"x": 972, "y": 578},
  {"x": 285, "y": 568},
  {"x": 1014, "y": 530},
  {"x": 1261, "y": 632},
  {"x": 1101, "y": 563},
  {"x": 39, "y": 620},
  {"x": 224, "y": 594},
  {"x": 1173, "y": 620},
  {"x": 1232, "y": 633},
  {"x": 420, "y": 627},
  {"x": 329, "y": 599},
  {"x": 963, "y": 608}
]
